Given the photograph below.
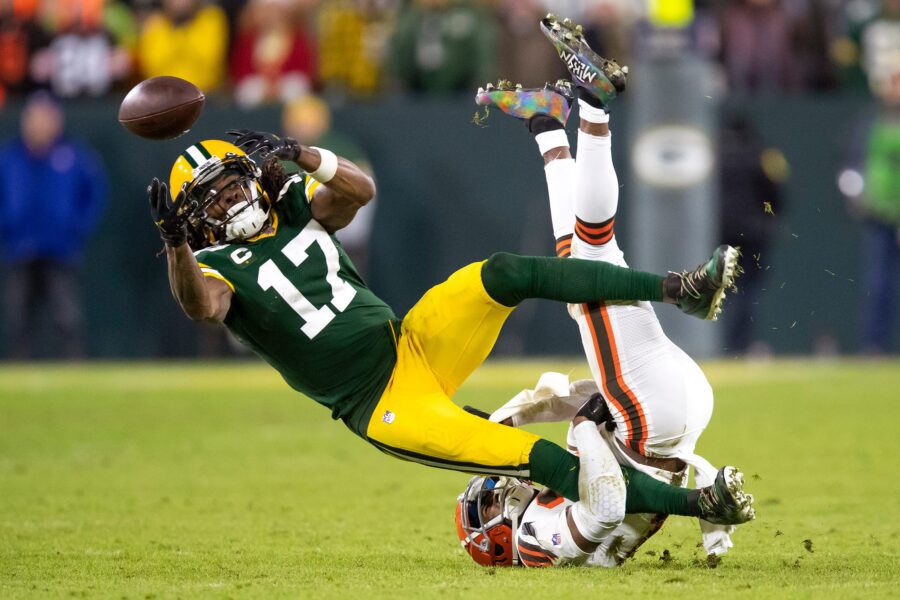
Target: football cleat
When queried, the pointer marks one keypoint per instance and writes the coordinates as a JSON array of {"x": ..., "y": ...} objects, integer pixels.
[
  {"x": 602, "y": 78},
  {"x": 554, "y": 100},
  {"x": 701, "y": 292},
  {"x": 725, "y": 502}
]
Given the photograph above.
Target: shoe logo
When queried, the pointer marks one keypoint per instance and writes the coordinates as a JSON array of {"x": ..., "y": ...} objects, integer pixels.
[
  {"x": 388, "y": 417},
  {"x": 579, "y": 69}
]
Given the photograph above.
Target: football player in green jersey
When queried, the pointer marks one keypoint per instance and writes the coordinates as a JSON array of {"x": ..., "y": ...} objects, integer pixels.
[{"x": 253, "y": 249}]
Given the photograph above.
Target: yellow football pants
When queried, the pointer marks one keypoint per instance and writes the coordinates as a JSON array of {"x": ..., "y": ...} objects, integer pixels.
[{"x": 444, "y": 337}]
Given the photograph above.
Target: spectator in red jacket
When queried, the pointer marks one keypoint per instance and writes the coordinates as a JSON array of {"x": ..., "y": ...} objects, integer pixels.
[{"x": 273, "y": 58}]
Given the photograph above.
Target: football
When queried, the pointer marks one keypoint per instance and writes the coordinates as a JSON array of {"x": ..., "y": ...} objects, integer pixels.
[{"x": 161, "y": 108}]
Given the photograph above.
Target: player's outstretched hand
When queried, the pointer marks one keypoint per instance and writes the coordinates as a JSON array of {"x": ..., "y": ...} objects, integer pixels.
[
  {"x": 266, "y": 143},
  {"x": 595, "y": 410},
  {"x": 165, "y": 215}
]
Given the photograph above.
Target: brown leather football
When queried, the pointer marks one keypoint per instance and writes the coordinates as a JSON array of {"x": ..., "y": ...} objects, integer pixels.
[{"x": 161, "y": 108}]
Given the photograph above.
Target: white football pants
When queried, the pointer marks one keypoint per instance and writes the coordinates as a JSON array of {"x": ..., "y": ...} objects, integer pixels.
[{"x": 659, "y": 397}]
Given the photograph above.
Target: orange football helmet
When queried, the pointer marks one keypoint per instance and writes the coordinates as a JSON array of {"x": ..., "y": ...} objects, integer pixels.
[{"x": 490, "y": 543}]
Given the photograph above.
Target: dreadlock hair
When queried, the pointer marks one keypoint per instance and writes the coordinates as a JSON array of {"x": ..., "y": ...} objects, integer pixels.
[{"x": 273, "y": 177}]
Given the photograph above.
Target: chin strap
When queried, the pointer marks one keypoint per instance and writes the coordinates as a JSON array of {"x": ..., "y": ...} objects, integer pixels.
[
  {"x": 248, "y": 217},
  {"x": 515, "y": 541},
  {"x": 522, "y": 505}
]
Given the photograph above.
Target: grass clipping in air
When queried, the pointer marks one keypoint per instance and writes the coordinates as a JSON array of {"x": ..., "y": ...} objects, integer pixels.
[{"x": 479, "y": 119}]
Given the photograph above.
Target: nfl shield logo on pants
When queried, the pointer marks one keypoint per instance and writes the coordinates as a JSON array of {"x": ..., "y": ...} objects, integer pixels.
[{"x": 388, "y": 417}]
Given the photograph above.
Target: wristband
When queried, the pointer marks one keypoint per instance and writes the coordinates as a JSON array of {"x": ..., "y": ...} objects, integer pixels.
[{"x": 327, "y": 167}]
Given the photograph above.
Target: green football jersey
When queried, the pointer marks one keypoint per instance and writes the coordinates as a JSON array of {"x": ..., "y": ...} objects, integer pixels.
[{"x": 300, "y": 304}]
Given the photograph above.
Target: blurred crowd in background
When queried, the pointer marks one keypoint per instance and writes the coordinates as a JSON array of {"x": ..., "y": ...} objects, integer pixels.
[
  {"x": 273, "y": 50},
  {"x": 310, "y": 55}
]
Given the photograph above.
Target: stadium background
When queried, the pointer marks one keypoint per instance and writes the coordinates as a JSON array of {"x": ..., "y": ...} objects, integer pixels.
[{"x": 451, "y": 192}]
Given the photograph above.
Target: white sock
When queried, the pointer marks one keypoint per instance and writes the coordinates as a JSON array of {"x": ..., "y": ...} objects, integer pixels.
[
  {"x": 560, "y": 174},
  {"x": 549, "y": 140},
  {"x": 596, "y": 200},
  {"x": 592, "y": 114},
  {"x": 597, "y": 197}
]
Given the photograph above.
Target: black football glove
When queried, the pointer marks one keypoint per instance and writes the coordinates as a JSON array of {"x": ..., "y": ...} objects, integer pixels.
[
  {"x": 595, "y": 410},
  {"x": 171, "y": 226},
  {"x": 266, "y": 143}
]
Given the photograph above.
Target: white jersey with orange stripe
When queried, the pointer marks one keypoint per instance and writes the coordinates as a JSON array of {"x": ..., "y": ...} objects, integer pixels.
[
  {"x": 555, "y": 399},
  {"x": 543, "y": 538},
  {"x": 659, "y": 397}
]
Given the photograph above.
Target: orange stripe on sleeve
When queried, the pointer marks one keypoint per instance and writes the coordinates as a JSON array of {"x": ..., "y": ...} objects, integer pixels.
[
  {"x": 533, "y": 559},
  {"x": 529, "y": 563},
  {"x": 555, "y": 502}
]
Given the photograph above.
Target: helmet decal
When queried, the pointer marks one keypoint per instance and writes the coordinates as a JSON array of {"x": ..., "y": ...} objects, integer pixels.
[{"x": 196, "y": 155}]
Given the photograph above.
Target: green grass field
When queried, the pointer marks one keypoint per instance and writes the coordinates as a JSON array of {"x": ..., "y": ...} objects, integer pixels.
[{"x": 159, "y": 481}]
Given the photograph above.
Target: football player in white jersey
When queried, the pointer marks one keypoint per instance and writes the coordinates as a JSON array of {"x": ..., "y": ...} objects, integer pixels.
[
  {"x": 659, "y": 398},
  {"x": 503, "y": 521}
]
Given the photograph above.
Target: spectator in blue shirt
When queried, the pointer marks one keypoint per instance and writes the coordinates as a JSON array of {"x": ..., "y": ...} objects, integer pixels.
[{"x": 52, "y": 192}]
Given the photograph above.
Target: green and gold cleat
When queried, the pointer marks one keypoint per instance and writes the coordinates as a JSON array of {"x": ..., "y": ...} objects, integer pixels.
[
  {"x": 598, "y": 76},
  {"x": 701, "y": 292},
  {"x": 554, "y": 100}
]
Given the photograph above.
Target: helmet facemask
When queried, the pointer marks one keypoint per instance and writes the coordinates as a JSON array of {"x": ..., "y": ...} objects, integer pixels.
[
  {"x": 490, "y": 543},
  {"x": 242, "y": 220}
]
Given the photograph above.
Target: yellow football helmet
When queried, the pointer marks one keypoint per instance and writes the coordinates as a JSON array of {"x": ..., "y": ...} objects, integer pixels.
[{"x": 194, "y": 172}]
